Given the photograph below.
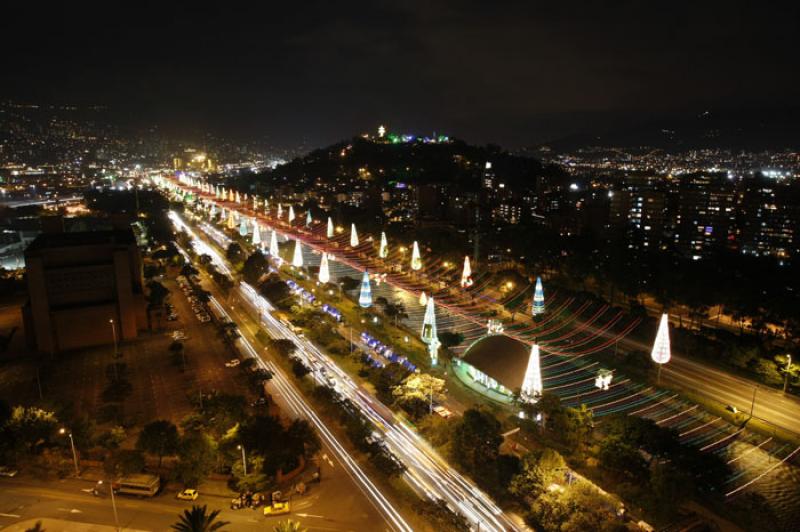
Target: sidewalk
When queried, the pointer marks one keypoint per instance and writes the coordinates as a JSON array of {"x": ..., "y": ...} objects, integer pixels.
[{"x": 59, "y": 525}]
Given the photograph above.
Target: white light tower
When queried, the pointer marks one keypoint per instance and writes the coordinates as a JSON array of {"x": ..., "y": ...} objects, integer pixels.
[
  {"x": 280, "y": 211},
  {"x": 381, "y": 131},
  {"x": 330, "y": 228},
  {"x": 297, "y": 259},
  {"x": 256, "y": 234},
  {"x": 324, "y": 272},
  {"x": 423, "y": 299},
  {"x": 291, "y": 214},
  {"x": 383, "y": 251},
  {"x": 661, "y": 350},
  {"x": 538, "y": 298},
  {"x": 365, "y": 296},
  {"x": 309, "y": 219},
  {"x": 466, "y": 274},
  {"x": 429, "y": 334},
  {"x": 274, "y": 250},
  {"x": 353, "y": 236},
  {"x": 416, "y": 260},
  {"x": 532, "y": 384},
  {"x": 238, "y": 197}
]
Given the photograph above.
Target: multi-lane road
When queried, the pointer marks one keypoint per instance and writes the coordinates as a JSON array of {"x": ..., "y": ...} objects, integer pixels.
[{"x": 428, "y": 474}]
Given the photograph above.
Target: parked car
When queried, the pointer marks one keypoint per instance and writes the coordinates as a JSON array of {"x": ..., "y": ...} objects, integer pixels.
[
  {"x": 188, "y": 494},
  {"x": 232, "y": 363},
  {"x": 6, "y": 471},
  {"x": 277, "y": 508}
]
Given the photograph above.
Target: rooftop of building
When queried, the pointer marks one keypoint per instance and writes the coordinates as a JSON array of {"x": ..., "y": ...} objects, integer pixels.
[
  {"x": 501, "y": 357},
  {"x": 117, "y": 237}
]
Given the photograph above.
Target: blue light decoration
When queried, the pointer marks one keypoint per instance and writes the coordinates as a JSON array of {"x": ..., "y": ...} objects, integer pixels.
[
  {"x": 304, "y": 294},
  {"x": 385, "y": 351},
  {"x": 538, "y": 298},
  {"x": 332, "y": 312},
  {"x": 243, "y": 227},
  {"x": 365, "y": 297}
]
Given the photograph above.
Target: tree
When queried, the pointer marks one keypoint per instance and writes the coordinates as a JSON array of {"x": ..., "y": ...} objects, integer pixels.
[
  {"x": 234, "y": 252},
  {"x": 540, "y": 468},
  {"x": 289, "y": 526},
  {"x": 159, "y": 438},
  {"x": 303, "y": 436},
  {"x": 197, "y": 454},
  {"x": 36, "y": 528},
  {"x": 299, "y": 369},
  {"x": 450, "y": 339},
  {"x": 254, "y": 268},
  {"x": 283, "y": 346},
  {"x": 476, "y": 443},
  {"x": 439, "y": 514},
  {"x": 29, "y": 427},
  {"x": 157, "y": 293},
  {"x": 199, "y": 520}
]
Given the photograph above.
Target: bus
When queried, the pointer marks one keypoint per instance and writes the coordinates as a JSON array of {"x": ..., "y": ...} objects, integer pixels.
[{"x": 142, "y": 485}]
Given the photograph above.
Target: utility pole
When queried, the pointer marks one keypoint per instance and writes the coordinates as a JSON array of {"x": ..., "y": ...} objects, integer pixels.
[
  {"x": 786, "y": 372},
  {"x": 753, "y": 404}
]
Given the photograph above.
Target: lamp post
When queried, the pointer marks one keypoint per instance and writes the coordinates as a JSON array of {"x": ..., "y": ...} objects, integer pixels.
[
  {"x": 113, "y": 502},
  {"x": 786, "y": 372},
  {"x": 72, "y": 445},
  {"x": 244, "y": 459},
  {"x": 114, "y": 359}
]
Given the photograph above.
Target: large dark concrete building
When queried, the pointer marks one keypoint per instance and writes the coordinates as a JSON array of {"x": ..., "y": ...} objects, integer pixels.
[{"x": 78, "y": 283}]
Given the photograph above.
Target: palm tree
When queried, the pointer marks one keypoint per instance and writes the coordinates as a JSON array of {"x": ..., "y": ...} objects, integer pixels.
[
  {"x": 289, "y": 526},
  {"x": 199, "y": 520}
]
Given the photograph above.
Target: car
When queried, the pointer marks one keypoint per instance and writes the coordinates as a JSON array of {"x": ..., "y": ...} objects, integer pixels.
[
  {"x": 442, "y": 411},
  {"x": 232, "y": 363},
  {"x": 172, "y": 317},
  {"x": 204, "y": 319},
  {"x": 188, "y": 494},
  {"x": 6, "y": 471},
  {"x": 277, "y": 508}
]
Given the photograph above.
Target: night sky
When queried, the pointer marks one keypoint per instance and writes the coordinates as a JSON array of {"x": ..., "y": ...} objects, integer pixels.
[{"x": 507, "y": 72}]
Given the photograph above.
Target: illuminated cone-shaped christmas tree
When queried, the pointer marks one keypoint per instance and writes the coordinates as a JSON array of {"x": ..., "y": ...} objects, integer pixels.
[
  {"x": 297, "y": 259},
  {"x": 291, "y": 214},
  {"x": 423, "y": 299},
  {"x": 266, "y": 206},
  {"x": 243, "y": 227},
  {"x": 324, "y": 272},
  {"x": 416, "y": 260},
  {"x": 429, "y": 334},
  {"x": 661, "y": 350},
  {"x": 532, "y": 384},
  {"x": 466, "y": 274},
  {"x": 231, "y": 197},
  {"x": 538, "y": 298},
  {"x": 255, "y": 202},
  {"x": 238, "y": 197},
  {"x": 216, "y": 192},
  {"x": 274, "y": 250},
  {"x": 231, "y": 220},
  {"x": 309, "y": 219},
  {"x": 212, "y": 212},
  {"x": 280, "y": 211},
  {"x": 365, "y": 296},
  {"x": 330, "y": 228},
  {"x": 353, "y": 236},
  {"x": 383, "y": 251},
  {"x": 256, "y": 234}
]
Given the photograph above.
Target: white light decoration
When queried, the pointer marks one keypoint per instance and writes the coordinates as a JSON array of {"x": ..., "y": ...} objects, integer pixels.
[
  {"x": 383, "y": 251},
  {"x": 365, "y": 296},
  {"x": 243, "y": 229},
  {"x": 324, "y": 272},
  {"x": 330, "y": 228},
  {"x": 381, "y": 131},
  {"x": 231, "y": 220},
  {"x": 353, "y": 236},
  {"x": 255, "y": 202},
  {"x": 661, "y": 350},
  {"x": 231, "y": 197},
  {"x": 532, "y": 384},
  {"x": 291, "y": 214},
  {"x": 538, "y": 298},
  {"x": 280, "y": 211},
  {"x": 238, "y": 197},
  {"x": 494, "y": 327},
  {"x": 423, "y": 299},
  {"x": 266, "y": 206},
  {"x": 274, "y": 250},
  {"x": 466, "y": 274},
  {"x": 603, "y": 379},
  {"x": 429, "y": 334},
  {"x": 416, "y": 260},
  {"x": 256, "y": 234},
  {"x": 297, "y": 259},
  {"x": 309, "y": 219}
]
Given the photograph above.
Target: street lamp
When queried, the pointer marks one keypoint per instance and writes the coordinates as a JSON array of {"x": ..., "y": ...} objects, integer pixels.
[
  {"x": 113, "y": 502},
  {"x": 786, "y": 372},
  {"x": 114, "y": 335},
  {"x": 63, "y": 431},
  {"x": 244, "y": 459}
]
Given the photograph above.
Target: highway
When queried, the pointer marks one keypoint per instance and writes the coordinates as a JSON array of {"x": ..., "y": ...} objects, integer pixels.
[{"x": 427, "y": 473}]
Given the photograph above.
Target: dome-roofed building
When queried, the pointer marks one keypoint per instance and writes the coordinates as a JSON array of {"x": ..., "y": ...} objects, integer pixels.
[{"x": 497, "y": 363}]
